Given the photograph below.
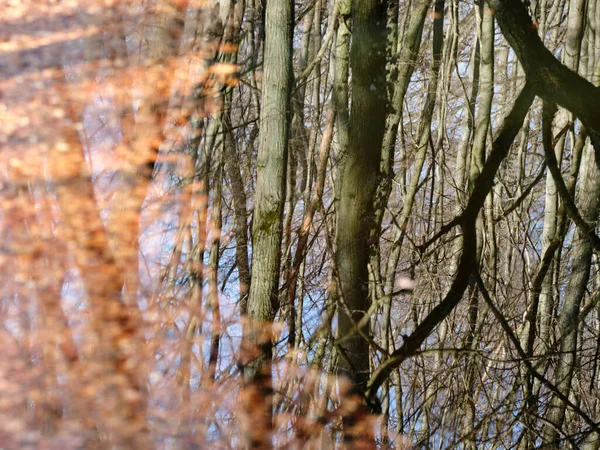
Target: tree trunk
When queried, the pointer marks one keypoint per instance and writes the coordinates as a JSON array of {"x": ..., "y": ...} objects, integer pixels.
[
  {"x": 268, "y": 213},
  {"x": 358, "y": 186},
  {"x": 582, "y": 259}
]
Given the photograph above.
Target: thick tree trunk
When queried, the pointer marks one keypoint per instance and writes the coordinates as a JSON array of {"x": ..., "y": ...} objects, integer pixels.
[{"x": 358, "y": 186}]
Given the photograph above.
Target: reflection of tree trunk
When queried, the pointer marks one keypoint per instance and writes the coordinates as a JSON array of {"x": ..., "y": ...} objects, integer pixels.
[
  {"x": 571, "y": 60},
  {"x": 357, "y": 188},
  {"x": 340, "y": 83},
  {"x": 309, "y": 213},
  {"x": 47, "y": 334},
  {"x": 423, "y": 142},
  {"x": 213, "y": 264},
  {"x": 478, "y": 157},
  {"x": 232, "y": 160},
  {"x": 403, "y": 70},
  {"x": 143, "y": 139},
  {"x": 232, "y": 165},
  {"x": 49, "y": 276},
  {"x": 268, "y": 213},
  {"x": 589, "y": 199},
  {"x": 399, "y": 77},
  {"x": 115, "y": 328},
  {"x": 484, "y": 183},
  {"x": 195, "y": 232}
]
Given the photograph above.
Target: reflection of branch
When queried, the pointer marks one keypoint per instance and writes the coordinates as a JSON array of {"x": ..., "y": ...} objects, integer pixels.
[
  {"x": 303, "y": 244},
  {"x": 524, "y": 358},
  {"x": 553, "y": 81},
  {"x": 358, "y": 327},
  {"x": 584, "y": 228},
  {"x": 445, "y": 229},
  {"x": 524, "y": 195},
  {"x": 115, "y": 322},
  {"x": 482, "y": 186},
  {"x": 536, "y": 287},
  {"x": 324, "y": 46}
]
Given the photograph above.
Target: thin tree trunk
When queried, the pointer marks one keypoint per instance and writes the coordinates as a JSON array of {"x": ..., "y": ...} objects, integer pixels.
[
  {"x": 340, "y": 87},
  {"x": 589, "y": 198},
  {"x": 268, "y": 213},
  {"x": 423, "y": 142},
  {"x": 213, "y": 264}
]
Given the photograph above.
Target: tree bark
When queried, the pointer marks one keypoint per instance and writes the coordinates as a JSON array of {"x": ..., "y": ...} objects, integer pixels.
[
  {"x": 358, "y": 183},
  {"x": 268, "y": 212}
]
